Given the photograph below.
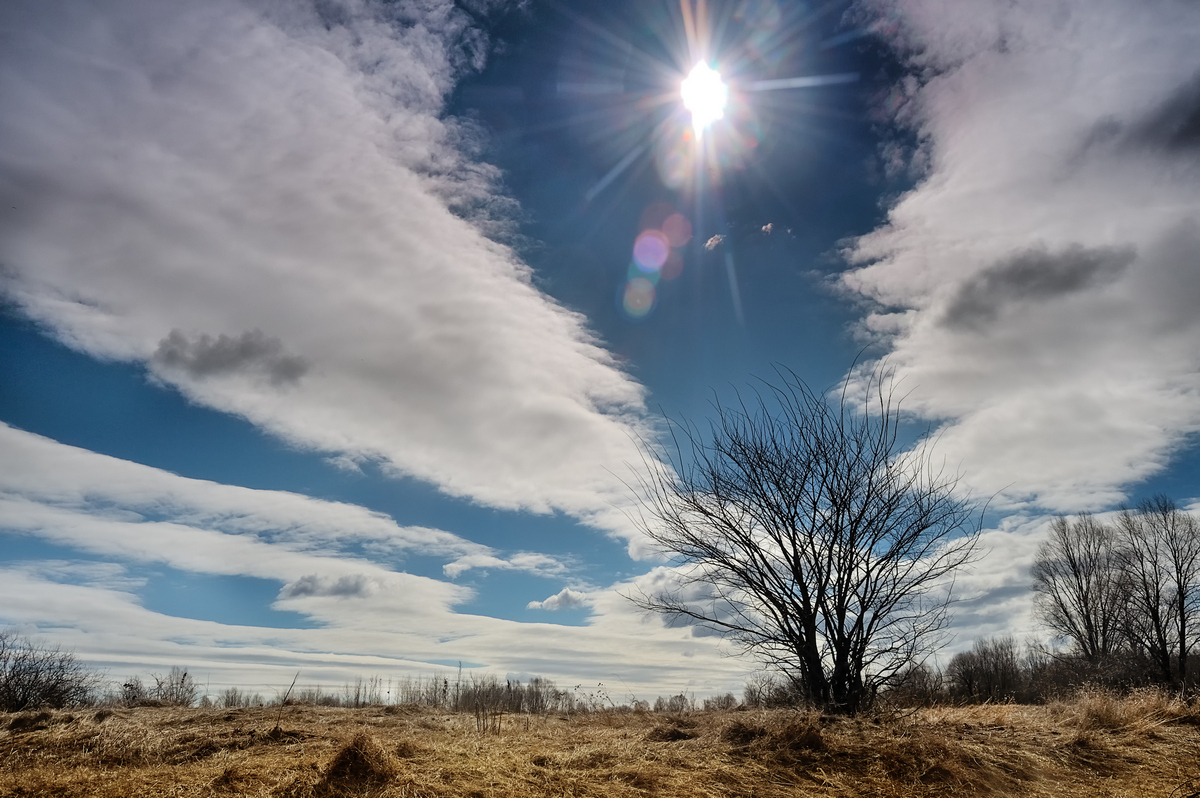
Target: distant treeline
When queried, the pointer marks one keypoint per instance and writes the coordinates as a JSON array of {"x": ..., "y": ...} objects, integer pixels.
[
  {"x": 1123, "y": 597},
  {"x": 1000, "y": 670},
  {"x": 1125, "y": 594},
  {"x": 35, "y": 676}
]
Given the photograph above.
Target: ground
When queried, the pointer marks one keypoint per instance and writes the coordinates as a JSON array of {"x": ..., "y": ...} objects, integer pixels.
[{"x": 1097, "y": 745}]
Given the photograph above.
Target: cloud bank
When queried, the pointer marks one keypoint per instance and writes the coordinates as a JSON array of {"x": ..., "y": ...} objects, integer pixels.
[
  {"x": 265, "y": 205},
  {"x": 122, "y": 521},
  {"x": 1036, "y": 291}
]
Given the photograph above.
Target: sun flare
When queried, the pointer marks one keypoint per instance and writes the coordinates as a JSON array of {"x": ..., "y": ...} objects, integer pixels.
[{"x": 704, "y": 94}]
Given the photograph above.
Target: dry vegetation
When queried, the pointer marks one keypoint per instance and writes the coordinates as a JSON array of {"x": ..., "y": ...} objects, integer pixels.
[{"x": 1097, "y": 745}]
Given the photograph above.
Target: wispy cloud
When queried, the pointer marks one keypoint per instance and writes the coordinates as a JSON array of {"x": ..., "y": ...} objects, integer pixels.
[
  {"x": 1036, "y": 289},
  {"x": 281, "y": 202},
  {"x": 68, "y": 494},
  {"x": 126, "y": 519},
  {"x": 532, "y": 562}
]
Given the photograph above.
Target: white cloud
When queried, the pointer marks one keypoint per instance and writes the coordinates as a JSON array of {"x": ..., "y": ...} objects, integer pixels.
[
  {"x": 1036, "y": 290},
  {"x": 67, "y": 493},
  {"x": 264, "y": 205},
  {"x": 370, "y": 617},
  {"x": 531, "y": 562},
  {"x": 565, "y": 599}
]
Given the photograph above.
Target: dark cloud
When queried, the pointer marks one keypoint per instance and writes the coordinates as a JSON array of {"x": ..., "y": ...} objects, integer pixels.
[
  {"x": 1174, "y": 125},
  {"x": 1034, "y": 275},
  {"x": 249, "y": 352},
  {"x": 357, "y": 586},
  {"x": 992, "y": 608}
]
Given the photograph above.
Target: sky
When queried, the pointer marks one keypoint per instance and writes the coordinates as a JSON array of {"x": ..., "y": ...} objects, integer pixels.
[{"x": 330, "y": 329}]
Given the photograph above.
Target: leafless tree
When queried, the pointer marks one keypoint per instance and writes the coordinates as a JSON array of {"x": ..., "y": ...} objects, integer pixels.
[
  {"x": 1131, "y": 588},
  {"x": 1160, "y": 567},
  {"x": 805, "y": 532},
  {"x": 1077, "y": 586}
]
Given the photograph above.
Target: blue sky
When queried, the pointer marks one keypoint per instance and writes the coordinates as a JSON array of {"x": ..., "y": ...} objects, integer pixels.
[{"x": 325, "y": 345}]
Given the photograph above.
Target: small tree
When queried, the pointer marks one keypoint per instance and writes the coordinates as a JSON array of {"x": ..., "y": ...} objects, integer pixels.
[
  {"x": 806, "y": 533},
  {"x": 33, "y": 675}
]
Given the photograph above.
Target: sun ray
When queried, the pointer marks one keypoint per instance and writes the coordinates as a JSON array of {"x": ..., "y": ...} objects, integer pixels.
[
  {"x": 614, "y": 173},
  {"x": 689, "y": 30},
  {"x": 693, "y": 93},
  {"x": 703, "y": 30},
  {"x": 808, "y": 82}
]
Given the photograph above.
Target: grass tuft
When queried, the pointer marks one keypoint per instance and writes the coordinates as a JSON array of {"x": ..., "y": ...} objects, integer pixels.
[
  {"x": 31, "y": 721},
  {"x": 361, "y": 767},
  {"x": 669, "y": 734}
]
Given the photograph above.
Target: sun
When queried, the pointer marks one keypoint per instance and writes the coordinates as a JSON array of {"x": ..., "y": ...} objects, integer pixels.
[{"x": 704, "y": 94}]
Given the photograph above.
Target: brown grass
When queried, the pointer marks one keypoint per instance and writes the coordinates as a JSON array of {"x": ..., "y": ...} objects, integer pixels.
[{"x": 1098, "y": 745}]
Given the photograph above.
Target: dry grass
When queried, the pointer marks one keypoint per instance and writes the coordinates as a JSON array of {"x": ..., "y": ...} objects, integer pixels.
[{"x": 1099, "y": 745}]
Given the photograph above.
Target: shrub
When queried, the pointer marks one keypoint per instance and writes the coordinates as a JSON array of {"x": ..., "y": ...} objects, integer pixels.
[
  {"x": 34, "y": 676},
  {"x": 721, "y": 702},
  {"x": 674, "y": 705},
  {"x": 765, "y": 691},
  {"x": 177, "y": 688}
]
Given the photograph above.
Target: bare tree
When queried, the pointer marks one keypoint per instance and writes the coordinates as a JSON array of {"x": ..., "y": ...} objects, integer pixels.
[
  {"x": 1160, "y": 568},
  {"x": 805, "y": 532},
  {"x": 1077, "y": 587}
]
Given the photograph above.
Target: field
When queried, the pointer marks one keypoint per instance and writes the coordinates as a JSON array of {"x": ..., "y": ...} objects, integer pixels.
[{"x": 1097, "y": 745}]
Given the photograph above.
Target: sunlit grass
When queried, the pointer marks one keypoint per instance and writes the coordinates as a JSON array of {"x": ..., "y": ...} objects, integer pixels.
[{"x": 1099, "y": 744}]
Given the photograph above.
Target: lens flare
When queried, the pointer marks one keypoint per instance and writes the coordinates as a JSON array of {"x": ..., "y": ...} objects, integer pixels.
[
  {"x": 677, "y": 229},
  {"x": 638, "y": 299},
  {"x": 704, "y": 94},
  {"x": 651, "y": 249},
  {"x": 673, "y": 267}
]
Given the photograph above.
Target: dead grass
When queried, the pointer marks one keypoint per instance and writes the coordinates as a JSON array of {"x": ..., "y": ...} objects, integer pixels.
[{"x": 1098, "y": 745}]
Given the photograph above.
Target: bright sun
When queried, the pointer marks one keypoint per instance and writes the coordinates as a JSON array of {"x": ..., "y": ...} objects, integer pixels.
[{"x": 704, "y": 94}]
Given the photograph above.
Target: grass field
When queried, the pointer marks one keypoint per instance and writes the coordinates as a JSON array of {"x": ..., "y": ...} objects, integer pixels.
[{"x": 1097, "y": 745}]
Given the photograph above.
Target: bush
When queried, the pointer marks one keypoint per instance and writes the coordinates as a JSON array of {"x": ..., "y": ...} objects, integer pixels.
[
  {"x": 765, "y": 691},
  {"x": 34, "y": 676},
  {"x": 990, "y": 672},
  {"x": 133, "y": 691},
  {"x": 919, "y": 686},
  {"x": 233, "y": 698},
  {"x": 177, "y": 688},
  {"x": 721, "y": 702},
  {"x": 675, "y": 705}
]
